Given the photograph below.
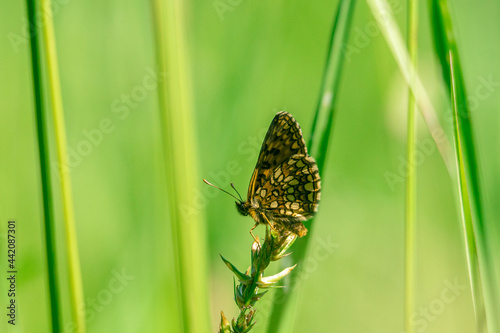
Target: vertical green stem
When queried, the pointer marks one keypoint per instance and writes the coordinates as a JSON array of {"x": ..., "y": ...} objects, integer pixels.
[
  {"x": 55, "y": 99},
  {"x": 180, "y": 155},
  {"x": 470, "y": 241},
  {"x": 411, "y": 180},
  {"x": 43, "y": 147}
]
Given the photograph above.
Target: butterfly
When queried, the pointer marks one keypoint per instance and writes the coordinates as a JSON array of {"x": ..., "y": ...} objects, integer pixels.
[{"x": 285, "y": 186}]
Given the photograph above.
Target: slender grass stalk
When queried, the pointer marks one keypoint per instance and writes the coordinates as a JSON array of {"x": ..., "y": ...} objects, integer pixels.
[
  {"x": 55, "y": 98},
  {"x": 472, "y": 259},
  {"x": 43, "y": 148},
  {"x": 411, "y": 180},
  {"x": 385, "y": 19},
  {"x": 177, "y": 127},
  {"x": 284, "y": 312},
  {"x": 480, "y": 257}
]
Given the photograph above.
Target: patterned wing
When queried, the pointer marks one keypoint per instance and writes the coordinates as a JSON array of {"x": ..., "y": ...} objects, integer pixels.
[
  {"x": 283, "y": 139},
  {"x": 291, "y": 193}
]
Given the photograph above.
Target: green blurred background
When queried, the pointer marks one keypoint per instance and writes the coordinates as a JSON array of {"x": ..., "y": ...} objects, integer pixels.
[{"x": 247, "y": 63}]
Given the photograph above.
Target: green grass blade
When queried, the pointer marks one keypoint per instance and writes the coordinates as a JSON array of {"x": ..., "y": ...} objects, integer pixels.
[
  {"x": 284, "y": 312},
  {"x": 470, "y": 241},
  {"x": 55, "y": 99},
  {"x": 479, "y": 254},
  {"x": 331, "y": 81},
  {"x": 411, "y": 180},
  {"x": 177, "y": 126},
  {"x": 43, "y": 147},
  {"x": 387, "y": 23},
  {"x": 440, "y": 41},
  {"x": 445, "y": 43}
]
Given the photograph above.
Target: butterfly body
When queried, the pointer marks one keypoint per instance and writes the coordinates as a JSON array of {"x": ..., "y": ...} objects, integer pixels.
[{"x": 285, "y": 187}]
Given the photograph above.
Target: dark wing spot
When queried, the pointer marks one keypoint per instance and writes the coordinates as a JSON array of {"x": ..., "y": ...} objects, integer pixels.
[{"x": 265, "y": 165}]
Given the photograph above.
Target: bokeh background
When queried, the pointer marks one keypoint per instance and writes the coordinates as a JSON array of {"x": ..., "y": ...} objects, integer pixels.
[{"x": 247, "y": 63}]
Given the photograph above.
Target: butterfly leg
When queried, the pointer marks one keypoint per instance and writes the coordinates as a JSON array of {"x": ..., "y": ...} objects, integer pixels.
[
  {"x": 251, "y": 233},
  {"x": 268, "y": 222}
]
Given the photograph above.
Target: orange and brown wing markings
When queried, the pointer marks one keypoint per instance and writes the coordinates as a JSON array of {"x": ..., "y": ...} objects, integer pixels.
[
  {"x": 292, "y": 191},
  {"x": 283, "y": 139},
  {"x": 285, "y": 187}
]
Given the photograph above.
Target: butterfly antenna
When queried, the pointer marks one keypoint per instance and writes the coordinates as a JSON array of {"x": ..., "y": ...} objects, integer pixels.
[
  {"x": 208, "y": 183},
  {"x": 234, "y": 188}
]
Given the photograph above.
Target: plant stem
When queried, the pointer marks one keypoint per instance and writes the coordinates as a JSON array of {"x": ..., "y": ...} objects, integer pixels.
[
  {"x": 466, "y": 214},
  {"x": 246, "y": 293},
  {"x": 411, "y": 180},
  {"x": 43, "y": 148},
  {"x": 54, "y": 88},
  {"x": 180, "y": 159}
]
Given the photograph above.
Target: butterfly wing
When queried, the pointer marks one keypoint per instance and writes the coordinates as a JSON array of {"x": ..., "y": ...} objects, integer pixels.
[
  {"x": 283, "y": 139},
  {"x": 292, "y": 191}
]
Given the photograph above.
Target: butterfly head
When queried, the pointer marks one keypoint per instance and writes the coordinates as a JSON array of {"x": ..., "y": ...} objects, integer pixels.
[{"x": 240, "y": 206}]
